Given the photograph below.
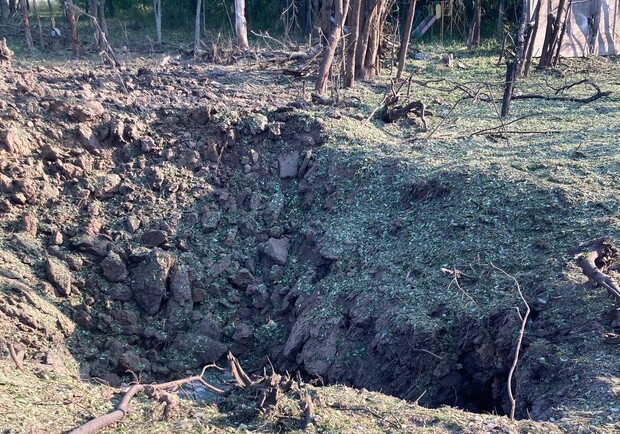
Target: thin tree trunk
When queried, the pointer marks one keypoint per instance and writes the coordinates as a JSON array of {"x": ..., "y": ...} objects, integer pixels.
[
  {"x": 12, "y": 7},
  {"x": 75, "y": 42},
  {"x": 325, "y": 17},
  {"x": 501, "y": 13},
  {"x": 103, "y": 23},
  {"x": 406, "y": 36},
  {"x": 354, "y": 25},
  {"x": 52, "y": 19},
  {"x": 157, "y": 10},
  {"x": 474, "y": 32},
  {"x": 555, "y": 26},
  {"x": 197, "y": 29},
  {"x": 368, "y": 14},
  {"x": 26, "y": 20},
  {"x": 330, "y": 50},
  {"x": 527, "y": 62},
  {"x": 512, "y": 68},
  {"x": 38, "y": 17},
  {"x": 241, "y": 25},
  {"x": 92, "y": 10}
]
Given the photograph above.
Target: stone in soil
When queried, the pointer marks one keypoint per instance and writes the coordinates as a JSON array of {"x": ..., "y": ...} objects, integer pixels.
[{"x": 149, "y": 280}]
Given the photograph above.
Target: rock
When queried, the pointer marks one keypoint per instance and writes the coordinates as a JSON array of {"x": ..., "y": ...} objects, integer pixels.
[
  {"x": 59, "y": 275},
  {"x": 180, "y": 286},
  {"x": 289, "y": 165},
  {"x": 255, "y": 123},
  {"x": 210, "y": 220},
  {"x": 5, "y": 206},
  {"x": 149, "y": 280},
  {"x": 6, "y": 184},
  {"x": 13, "y": 141},
  {"x": 242, "y": 332},
  {"x": 212, "y": 153},
  {"x": 120, "y": 292},
  {"x": 208, "y": 327},
  {"x": 275, "y": 273},
  {"x": 154, "y": 238},
  {"x": 88, "y": 139},
  {"x": 147, "y": 144},
  {"x": 114, "y": 268},
  {"x": 242, "y": 278},
  {"x": 85, "y": 162},
  {"x": 19, "y": 198},
  {"x": 132, "y": 223},
  {"x": 131, "y": 361},
  {"x": 201, "y": 349},
  {"x": 50, "y": 153},
  {"x": 96, "y": 245},
  {"x": 87, "y": 111},
  {"x": 106, "y": 186},
  {"x": 57, "y": 239},
  {"x": 155, "y": 178},
  {"x": 30, "y": 224},
  {"x": 276, "y": 249}
]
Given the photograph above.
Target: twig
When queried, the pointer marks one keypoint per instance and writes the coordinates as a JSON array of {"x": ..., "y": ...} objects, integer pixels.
[
  {"x": 504, "y": 124},
  {"x": 445, "y": 118},
  {"x": 515, "y": 361},
  {"x": 17, "y": 357}
]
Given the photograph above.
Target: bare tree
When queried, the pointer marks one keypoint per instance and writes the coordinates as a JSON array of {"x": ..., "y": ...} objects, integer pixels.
[
  {"x": 157, "y": 11},
  {"x": 75, "y": 42},
  {"x": 38, "y": 18},
  {"x": 341, "y": 9},
  {"x": 52, "y": 19},
  {"x": 197, "y": 28},
  {"x": 556, "y": 28},
  {"x": 404, "y": 44},
  {"x": 241, "y": 25},
  {"x": 354, "y": 30},
  {"x": 26, "y": 20},
  {"x": 102, "y": 20}
]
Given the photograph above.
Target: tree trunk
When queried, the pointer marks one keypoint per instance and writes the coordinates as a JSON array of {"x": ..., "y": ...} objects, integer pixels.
[
  {"x": 332, "y": 44},
  {"x": 404, "y": 44},
  {"x": 12, "y": 7},
  {"x": 367, "y": 17},
  {"x": 241, "y": 25},
  {"x": 157, "y": 10},
  {"x": 26, "y": 20},
  {"x": 354, "y": 25},
  {"x": 555, "y": 26},
  {"x": 75, "y": 42},
  {"x": 52, "y": 20},
  {"x": 325, "y": 17},
  {"x": 103, "y": 23},
  {"x": 501, "y": 13},
  {"x": 197, "y": 29},
  {"x": 38, "y": 18},
  {"x": 474, "y": 31},
  {"x": 513, "y": 68},
  {"x": 92, "y": 10},
  {"x": 529, "y": 51}
]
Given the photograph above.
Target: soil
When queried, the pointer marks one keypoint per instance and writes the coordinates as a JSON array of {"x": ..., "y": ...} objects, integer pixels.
[{"x": 158, "y": 216}]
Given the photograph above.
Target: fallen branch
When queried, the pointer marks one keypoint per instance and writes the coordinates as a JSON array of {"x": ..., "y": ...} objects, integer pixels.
[
  {"x": 243, "y": 380},
  {"x": 156, "y": 391},
  {"x": 18, "y": 357},
  {"x": 597, "y": 260},
  {"x": 556, "y": 97},
  {"x": 524, "y": 318}
]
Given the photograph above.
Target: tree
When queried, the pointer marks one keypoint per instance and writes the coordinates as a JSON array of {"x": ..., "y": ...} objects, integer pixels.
[
  {"x": 4, "y": 11},
  {"x": 38, "y": 18},
  {"x": 75, "y": 42},
  {"x": 241, "y": 26},
  {"x": 341, "y": 8},
  {"x": 197, "y": 29},
  {"x": 157, "y": 11},
  {"x": 102, "y": 20},
  {"x": 93, "y": 11},
  {"x": 26, "y": 20},
  {"x": 354, "y": 26},
  {"x": 474, "y": 30},
  {"x": 404, "y": 45}
]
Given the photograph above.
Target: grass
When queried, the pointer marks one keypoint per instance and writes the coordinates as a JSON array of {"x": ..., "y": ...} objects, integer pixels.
[{"x": 521, "y": 201}]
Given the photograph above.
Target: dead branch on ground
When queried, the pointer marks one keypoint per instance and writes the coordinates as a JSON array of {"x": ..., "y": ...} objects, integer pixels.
[
  {"x": 557, "y": 97},
  {"x": 155, "y": 391},
  {"x": 524, "y": 318},
  {"x": 235, "y": 368},
  {"x": 18, "y": 357},
  {"x": 595, "y": 262}
]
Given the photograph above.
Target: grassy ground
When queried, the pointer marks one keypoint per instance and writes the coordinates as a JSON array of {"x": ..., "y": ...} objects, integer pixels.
[{"x": 524, "y": 200}]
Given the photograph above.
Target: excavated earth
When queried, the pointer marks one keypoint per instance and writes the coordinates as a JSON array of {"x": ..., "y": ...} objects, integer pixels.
[{"x": 155, "y": 218}]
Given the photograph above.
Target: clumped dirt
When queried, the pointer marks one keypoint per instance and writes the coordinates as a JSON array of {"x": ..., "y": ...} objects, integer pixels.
[{"x": 157, "y": 217}]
